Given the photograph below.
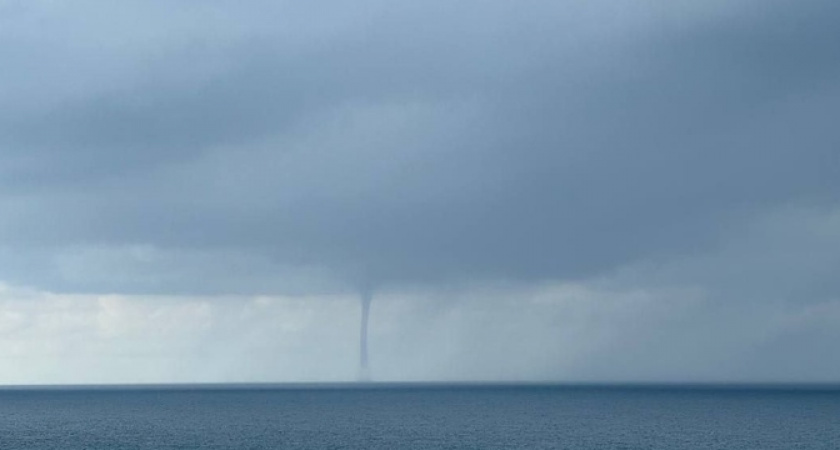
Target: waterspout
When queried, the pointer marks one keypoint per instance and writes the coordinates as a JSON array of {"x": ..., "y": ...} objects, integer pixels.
[{"x": 364, "y": 367}]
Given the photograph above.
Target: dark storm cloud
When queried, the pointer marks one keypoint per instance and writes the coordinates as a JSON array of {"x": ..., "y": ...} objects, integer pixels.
[{"x": 408, "y": 143}]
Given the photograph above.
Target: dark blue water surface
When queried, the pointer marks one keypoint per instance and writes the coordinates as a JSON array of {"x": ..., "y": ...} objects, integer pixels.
[{"x": 421, "y": 417}]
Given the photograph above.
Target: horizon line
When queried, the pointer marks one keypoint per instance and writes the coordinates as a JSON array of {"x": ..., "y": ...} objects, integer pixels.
[{"x": 328, "y": 385}]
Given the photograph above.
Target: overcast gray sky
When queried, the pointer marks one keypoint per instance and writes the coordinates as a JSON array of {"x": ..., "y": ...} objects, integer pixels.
[{"x": 567, "y": 190}]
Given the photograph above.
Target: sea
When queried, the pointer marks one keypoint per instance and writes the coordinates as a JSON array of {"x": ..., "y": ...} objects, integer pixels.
[{"x": 421, "y": 416}]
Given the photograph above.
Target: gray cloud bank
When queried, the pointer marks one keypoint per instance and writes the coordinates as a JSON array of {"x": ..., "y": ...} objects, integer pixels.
[{"x": 205, "y": 147}]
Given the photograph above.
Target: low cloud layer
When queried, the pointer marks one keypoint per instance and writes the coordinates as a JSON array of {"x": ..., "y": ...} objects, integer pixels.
[{"x": 207, "y": 149}]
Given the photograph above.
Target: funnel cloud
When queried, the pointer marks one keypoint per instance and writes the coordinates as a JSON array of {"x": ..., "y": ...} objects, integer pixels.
[{"x": 364, "y": 363}]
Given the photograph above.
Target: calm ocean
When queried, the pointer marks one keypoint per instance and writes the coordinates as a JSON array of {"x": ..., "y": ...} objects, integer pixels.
[{"x": 421, "y": 417}]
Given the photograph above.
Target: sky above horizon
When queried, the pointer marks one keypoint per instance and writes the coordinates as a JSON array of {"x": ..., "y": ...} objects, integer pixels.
[{"x": 535, "y": 191}]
